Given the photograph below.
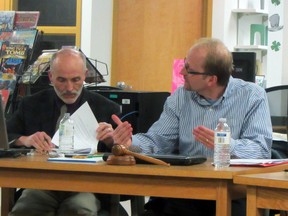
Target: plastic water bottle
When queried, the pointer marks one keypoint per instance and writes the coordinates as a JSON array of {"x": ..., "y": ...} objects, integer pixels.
[
  {"x": 222, "y": 144},
  {"x": 66, "y": 134}
]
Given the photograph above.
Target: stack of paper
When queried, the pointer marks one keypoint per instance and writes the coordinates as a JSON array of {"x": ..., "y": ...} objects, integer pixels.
[
  {"x": 73, "y": 159},
  {"x": 85, "y": 130},
  {"x": 257, "y": 162}
]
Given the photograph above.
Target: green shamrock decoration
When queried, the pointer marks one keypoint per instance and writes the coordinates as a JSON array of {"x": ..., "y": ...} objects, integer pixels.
[
  {"x": 275, "y": 2},
  {"x": 275, "y": 46}
]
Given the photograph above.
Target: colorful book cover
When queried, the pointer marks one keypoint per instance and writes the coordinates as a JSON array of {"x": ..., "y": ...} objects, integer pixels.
[
  {"x": 7, "y": 81},
  {"x": 7, "y": 20},
  {"x": 26, "y": 19},
  {"x": 38, "y": 67},
  {"x": 12, "y": 63},
  {"x": 24, "y": 37},
  {"x": 4, "y": 36}
]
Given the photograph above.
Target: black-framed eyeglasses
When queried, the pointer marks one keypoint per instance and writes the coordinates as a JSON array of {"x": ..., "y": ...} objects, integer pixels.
[{"x": 195, "y": 72}]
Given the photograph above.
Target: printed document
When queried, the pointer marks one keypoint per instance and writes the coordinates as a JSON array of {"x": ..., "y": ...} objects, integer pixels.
[{"x": 85, "y": 125}]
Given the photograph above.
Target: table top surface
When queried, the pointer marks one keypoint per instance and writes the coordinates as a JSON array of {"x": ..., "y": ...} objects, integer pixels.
[
  {"x": 270, "y": 179},
  {"x": 204, "y": 170}
]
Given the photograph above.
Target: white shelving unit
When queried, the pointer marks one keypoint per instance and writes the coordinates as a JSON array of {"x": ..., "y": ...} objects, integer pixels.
[
  {"x": 245, "y": 17},
  {"x": 251, "y": 47},
  {"x": 250, "y": 11},
  {"x": 228, "y": 25}
]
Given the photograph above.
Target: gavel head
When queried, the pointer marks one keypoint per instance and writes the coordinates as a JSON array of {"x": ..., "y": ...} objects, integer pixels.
[{"x": 119, "y": 150}]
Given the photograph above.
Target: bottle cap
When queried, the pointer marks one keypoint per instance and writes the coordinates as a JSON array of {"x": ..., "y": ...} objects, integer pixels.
[{"x": 222, "y": 120}]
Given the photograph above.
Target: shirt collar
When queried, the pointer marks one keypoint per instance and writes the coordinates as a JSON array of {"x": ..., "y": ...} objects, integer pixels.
[{"x": 204, "y": 102}]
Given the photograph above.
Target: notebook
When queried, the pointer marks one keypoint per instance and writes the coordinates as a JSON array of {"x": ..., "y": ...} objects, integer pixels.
[{"x": 5, "y": 151}]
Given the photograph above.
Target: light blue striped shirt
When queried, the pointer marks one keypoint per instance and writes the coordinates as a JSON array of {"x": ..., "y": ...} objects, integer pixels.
[{"x": 244, "y": 105}]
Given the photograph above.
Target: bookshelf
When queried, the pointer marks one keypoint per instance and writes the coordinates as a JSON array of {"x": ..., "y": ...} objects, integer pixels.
[{"x": 18, "y": 40}]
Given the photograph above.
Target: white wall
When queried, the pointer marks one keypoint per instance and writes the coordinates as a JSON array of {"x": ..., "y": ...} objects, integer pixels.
[
  {"x": 223, "y": 22},
  {"x": 96, "y": 33},
  {"x": 275, "y": 61}
]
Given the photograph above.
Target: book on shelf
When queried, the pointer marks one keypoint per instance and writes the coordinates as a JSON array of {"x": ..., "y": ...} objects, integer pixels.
[
  {"x": 13, "y": 57},
  {"x": 5, "y": 36},
  {"x": 40, "y": 66},
  {"x": 7, "y": 20},
  {"x": 27, "y": 36},
  {"x": 7, "y": 82},
  {"x": 26, "y": 19},
  {"x": 5, "y": 96}
]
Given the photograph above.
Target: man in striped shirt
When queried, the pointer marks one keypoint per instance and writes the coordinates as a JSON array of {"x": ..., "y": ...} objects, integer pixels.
[{"x": 190, "y": 115}]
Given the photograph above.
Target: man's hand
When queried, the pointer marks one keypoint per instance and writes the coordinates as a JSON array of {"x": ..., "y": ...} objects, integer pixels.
[
  {"x": 39, "y": 140},
  {"x": 104, "y": 133},
  {"x": 204, "y": 135},
  {"x": 123, "y": 133}
]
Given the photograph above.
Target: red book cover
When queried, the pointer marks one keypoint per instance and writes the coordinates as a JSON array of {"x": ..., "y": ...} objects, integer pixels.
[
  {"x": 5, "y": 36},
  {"x": 5, "y": 96},
  {"x": 26, "y": 19}
]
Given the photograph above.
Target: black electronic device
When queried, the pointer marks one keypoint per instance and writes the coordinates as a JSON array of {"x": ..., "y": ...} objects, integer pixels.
[
  {"x": 244, "y": 65},
  {"x": 5, "y": 150},
  {"x": 140, "y": 109},
  {"x": 9, "y": 154},
  {"x": 179, "y": 160}
]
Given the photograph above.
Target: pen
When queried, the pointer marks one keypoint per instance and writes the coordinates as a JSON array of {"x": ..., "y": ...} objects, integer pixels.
[
  {"x": 79, "y": 156},
  {"x": 86, "y": 156},
  {"x": 95, "y": 156}
]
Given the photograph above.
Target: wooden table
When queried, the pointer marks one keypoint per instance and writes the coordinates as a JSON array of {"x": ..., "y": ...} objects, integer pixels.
[
  {"x": 265, "y": 191},
  {"x": 197, "y": 182}
]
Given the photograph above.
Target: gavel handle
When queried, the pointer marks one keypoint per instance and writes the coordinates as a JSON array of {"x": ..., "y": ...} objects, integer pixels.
[{"x": 146, "y": 158}]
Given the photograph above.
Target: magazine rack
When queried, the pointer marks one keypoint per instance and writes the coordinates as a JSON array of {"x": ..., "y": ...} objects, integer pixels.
[{"x": 31, "y": 75}]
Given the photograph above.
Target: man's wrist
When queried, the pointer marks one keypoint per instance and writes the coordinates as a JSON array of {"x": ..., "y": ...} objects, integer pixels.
[{"x": 20, "y": 141}]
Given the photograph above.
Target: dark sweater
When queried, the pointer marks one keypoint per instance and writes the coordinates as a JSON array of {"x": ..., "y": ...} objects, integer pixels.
[{"x": 40, "y": 111}]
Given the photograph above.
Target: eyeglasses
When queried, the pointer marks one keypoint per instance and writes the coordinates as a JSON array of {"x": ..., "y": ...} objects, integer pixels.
[{"x": 195, "y": 72}]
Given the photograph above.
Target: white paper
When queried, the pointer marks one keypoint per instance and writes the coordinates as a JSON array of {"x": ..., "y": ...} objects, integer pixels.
[
  {"x": 256, "y": 161},
  {"x": 85, "y": 125},
  {"x": 279, "y": 137}
]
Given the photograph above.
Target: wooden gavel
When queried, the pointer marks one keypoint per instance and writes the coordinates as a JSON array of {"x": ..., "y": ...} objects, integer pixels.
[{"x": 120, "y": 150}]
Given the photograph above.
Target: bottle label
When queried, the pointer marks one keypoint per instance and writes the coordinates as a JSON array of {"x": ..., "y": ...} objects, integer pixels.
[{"x": 222, "y": 138}]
